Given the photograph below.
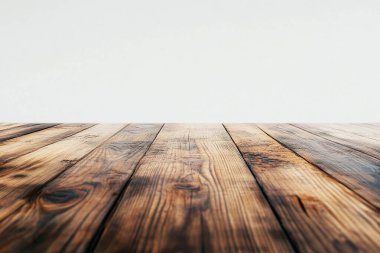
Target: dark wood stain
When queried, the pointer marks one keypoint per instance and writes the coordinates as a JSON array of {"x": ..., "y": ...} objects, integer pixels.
[
  {"x": 315, "y": 210},
  {"x": 11, "y": 133},
  {"x": 79, "y": 198},
  {"x": 189, "y": 188},
  {"x": 178, "y": 199},
  {"x": 25, "y": 144},
  {"x": 60, "y": 196},
  {"x": 355, "y": 169}
]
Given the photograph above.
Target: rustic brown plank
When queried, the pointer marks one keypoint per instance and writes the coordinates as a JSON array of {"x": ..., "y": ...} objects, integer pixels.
[
  {"x": 356, "y": 170},
  {"x": 22, "y": 130},
  {"x": 65, "y": 215},
  {"x": 4, "y": 126},
  {"x": 23, "y": 176},
  {"x": 362, "y": 144},
  {"x": 22, "y": 145},
  {"x": 364, "y": 130},
  {"x": 320, "y": 214},
  {"x": 192, "y": 193}
]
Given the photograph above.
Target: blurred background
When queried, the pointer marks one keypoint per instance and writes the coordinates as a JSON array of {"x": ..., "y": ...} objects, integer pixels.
[{"x": 190, "y": 61}]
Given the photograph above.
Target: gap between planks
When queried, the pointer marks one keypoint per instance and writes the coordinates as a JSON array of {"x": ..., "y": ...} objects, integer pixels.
[
  {"x": 25, "y": 144},
  {"x": 317, "y": 212},
  {"x": 114, "y": 155},
  {"x": 288, "y": 236},
  {"x": 121, "y": 193},
  {"x": 27, "y": 174},
  {"x": 21, "y": 130},
  {"x": 364, "y": 147},
  {"x": 94, "y": 241},
  {"x": 355, "y": 170},
  {"x": 193, "y": 180}
]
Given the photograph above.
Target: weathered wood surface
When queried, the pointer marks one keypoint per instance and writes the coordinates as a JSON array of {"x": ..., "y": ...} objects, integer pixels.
[
  {"x": 193, "y": 193},
  {"x": 66, "y": 214},
  {"x": 4, "y": 126},
  {"x": 369, "y": 131},
  {"x": 319, "y": 214},
  {"x": 189, "y": 188},
  {"x": 358, "y": 171},
  {"x": 25, "y": 175},
  {"x": 17, "y": 131},
  {"x": 363, "y": 144},
  {"x": 22, "y": 145}
]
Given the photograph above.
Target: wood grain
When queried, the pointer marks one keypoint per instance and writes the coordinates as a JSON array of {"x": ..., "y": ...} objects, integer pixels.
[
  {"x": 193, "y": 193},
  {"x": 351, "y": 140},
  {"x": 14, "y": 132},
  {"x": 358, "y": 171},
  {"x": 66, "y": 214},
  {"x": 25, "y": 175},
  {"x": 22, "y": 145},
  {"x": 365, "y": 130},
  {"x": 320, "y": 214},
  {"x": 118, "y": 188},
  {"x": 4, "y": 126}
]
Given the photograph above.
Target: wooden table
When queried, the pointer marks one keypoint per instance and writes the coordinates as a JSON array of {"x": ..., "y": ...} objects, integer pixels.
[{"x": 189, "y": 188}]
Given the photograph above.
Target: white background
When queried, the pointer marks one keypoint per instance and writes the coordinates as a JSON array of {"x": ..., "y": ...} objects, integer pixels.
[{"x": 189, "y": 61}]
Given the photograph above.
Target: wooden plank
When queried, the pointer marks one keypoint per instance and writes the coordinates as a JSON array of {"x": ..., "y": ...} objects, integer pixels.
[
  {"x": 320, "y": 214},
  {"x": 364, "y": 130},
  {"x": 22, "y": 145},
  {"x": 192, "y": 193},
  {"x": 4, "y": 126},
  {"x": 25, "y": 175},
  {"x": 65, "y": 215},
  {"x": 356, "y": 170},
  {"x": 22, "y": 130},
  {"x": 362, "y": 144}
]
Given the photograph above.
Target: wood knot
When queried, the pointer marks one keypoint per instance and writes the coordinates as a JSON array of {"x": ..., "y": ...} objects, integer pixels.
[
  {"x": 190, "y": 182},
  {"x": 60, "y": 196},
  {"x": 69, "y": 162},
  {"x": 19, "y": 176},
  {"x": 187, "y": 187},
  {"x": 191, "y": 191}
]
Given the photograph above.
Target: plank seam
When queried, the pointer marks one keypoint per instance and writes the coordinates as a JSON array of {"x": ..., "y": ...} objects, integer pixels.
[
  {"x": 13, "y": 127},
  {"x": 305, "y": 130},
  {"x": 291, "y": 240},
  {"x": 353, "y": 133},
  {"x": 31, "y": 151},
  {"x": 27, "y": 132},
  {"x": 34, "y": 193},
  {"x": 77, "y": 161},
  {"x": 99, "y": 232},
  {"x": 370, "y": 205}
]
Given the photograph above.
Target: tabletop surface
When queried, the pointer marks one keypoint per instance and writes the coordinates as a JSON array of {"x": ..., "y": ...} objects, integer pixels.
[{"x": 189, "y": 187}]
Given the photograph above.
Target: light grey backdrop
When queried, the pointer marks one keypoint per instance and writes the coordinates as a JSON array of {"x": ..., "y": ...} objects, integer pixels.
[{"x": 192, "y": 61}]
